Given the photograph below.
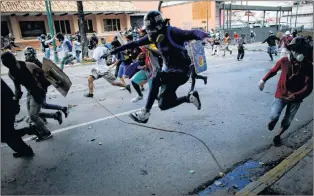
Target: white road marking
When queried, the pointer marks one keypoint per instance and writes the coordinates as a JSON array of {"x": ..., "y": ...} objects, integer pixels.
[{"x": 84, "y": 124}]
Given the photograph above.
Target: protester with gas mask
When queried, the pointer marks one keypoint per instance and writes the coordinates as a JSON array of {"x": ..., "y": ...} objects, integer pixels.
[
  {"x": 33, "y": 79},
  {"x": 294, "y": 85},
  {"x": 170, "y": 42},
  {"x": 271, "y": 41},
  {"x": 101, "y": 70},
  {"x": 66, "y": 47},
  {"x": 30, "y": 56}
]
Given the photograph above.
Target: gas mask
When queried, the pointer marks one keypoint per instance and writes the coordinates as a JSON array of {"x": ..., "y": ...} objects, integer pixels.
[
  {"x": 155, "y": 36},
  {"x": 297, "y": 56}
]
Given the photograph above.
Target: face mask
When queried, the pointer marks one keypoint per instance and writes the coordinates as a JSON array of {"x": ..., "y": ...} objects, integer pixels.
[
  {"x": 154, "y": 36},
  {"x": 297, "y": 56}
]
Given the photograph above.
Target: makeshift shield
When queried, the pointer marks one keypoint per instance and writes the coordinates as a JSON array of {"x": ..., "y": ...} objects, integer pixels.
[
  {"x": 56, "y": 77},
  {"x": 198, "y": 56},
  {"x": 154, "y": 62},
  {"x": 120, "y": 38}
]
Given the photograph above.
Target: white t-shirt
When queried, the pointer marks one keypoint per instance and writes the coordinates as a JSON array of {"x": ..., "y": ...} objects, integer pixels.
[{"x": 101, "y": 64}]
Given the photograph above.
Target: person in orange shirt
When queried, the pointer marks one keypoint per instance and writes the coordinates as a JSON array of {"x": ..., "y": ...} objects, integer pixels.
[{"x": 227, "y": 41}]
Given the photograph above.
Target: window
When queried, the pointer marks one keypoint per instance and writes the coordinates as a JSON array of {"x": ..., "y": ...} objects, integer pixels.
[
  {"x": 4, "y": 28},
  {"x": 89, "y": 24},
  {"x": 112, "y": 24},
  {"x": 62, "y": 26},
  {"x": 32, "y": 28}
]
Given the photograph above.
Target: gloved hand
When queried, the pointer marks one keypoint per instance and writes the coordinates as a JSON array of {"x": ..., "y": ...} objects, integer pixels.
[{"x": 261, "y": 85}]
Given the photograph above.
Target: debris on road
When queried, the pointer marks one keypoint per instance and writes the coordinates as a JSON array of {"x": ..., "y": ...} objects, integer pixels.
[
  {"x": 99, "y": 143},
  {"x": 92, "y": 140},
  {"x": 89, "y": 127},
  {"x": 143, "y": 172},
  {"x": 221, "y": 174},
  {"x": 191, "y": 171},
  {"x": 218, "y": 183}
]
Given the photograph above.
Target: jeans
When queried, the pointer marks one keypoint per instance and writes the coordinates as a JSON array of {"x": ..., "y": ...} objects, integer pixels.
[
  {"x": 68, "y": 58},
  {"x": 252, "y": 39},
  {"x": 77, "y": 55},
  {"x": 46, "y": 105},
  {"x": 35, "y": 115},
  {"x": 240, "y": 53},
  {"x": 47, "y": 53},
  {"x": 226, "y": 47},
  {"x": 276, "y": 108},
  {"x": 271, "y": 50}
]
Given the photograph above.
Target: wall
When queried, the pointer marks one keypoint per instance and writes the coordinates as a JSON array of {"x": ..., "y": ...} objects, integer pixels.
[
  {"x": 145, "y": 5},
  {"x": 181, "y": 15}
]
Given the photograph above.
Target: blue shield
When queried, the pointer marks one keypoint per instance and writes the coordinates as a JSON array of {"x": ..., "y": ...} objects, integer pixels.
[{"x": 198, "y": 56}]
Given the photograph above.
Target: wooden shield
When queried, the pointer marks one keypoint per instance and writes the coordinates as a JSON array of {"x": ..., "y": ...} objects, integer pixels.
[{"x": 56, "y": 77}]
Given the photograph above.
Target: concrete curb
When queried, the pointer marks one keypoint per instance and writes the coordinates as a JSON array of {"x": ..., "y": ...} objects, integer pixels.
[{"x": 269, "y": 178}]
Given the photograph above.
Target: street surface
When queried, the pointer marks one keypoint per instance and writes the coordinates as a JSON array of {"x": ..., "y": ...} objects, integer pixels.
[{"x": 94, "y": 153}]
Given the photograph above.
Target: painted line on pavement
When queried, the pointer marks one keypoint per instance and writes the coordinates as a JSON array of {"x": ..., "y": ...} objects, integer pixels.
[{"x": 84, "y": 124}]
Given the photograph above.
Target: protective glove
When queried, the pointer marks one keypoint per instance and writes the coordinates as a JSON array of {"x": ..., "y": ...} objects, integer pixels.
[{"x": 261, "y": 85}]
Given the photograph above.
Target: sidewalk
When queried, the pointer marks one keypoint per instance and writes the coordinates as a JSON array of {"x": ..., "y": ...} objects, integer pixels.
[
  {"x": 293, "y": 176},
  {"x": 287, "y": 169}
]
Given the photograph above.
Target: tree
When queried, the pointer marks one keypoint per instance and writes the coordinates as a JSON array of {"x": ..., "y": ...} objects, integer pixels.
[
  {"x": 159, "y": 5},
  {"x": 82, "y": 28}
]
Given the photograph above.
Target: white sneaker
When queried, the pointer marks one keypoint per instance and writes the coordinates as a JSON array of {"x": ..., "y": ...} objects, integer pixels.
[
  {"x": 140, "y": 116},
  {"x": 136, "y": 99},
  {"x": 195, "y": 99},
  {"x": 122, "y": 88}
]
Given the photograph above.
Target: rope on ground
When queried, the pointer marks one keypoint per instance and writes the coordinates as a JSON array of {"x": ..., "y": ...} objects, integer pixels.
[{"x": 158, "y": 129}]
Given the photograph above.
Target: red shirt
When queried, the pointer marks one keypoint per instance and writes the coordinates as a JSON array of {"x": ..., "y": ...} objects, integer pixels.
[
  {"x": 297, "y": 80},
  {"x": 235, "y": 36}
]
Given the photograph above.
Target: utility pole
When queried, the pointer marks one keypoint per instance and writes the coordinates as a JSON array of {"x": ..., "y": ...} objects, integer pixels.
[
  {"x": 51, "y": 30},
  {"x": 296, "y": 16}
]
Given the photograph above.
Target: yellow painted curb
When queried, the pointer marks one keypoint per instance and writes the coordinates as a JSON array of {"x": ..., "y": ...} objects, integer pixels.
[{"x": 277, "y": 172}]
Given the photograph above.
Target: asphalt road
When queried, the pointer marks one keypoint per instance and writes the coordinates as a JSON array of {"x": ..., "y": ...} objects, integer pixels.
[{"x": 131, "y": 160}]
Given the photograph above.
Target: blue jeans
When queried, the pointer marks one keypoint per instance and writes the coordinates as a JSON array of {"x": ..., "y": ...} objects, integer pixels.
[
  {"x": 46, "y": 105},
  {"x": 47, "y": 53},
  {"x": 121, "y": 70},
  {"x": 276, "y": 108},
  {"x": 77, "y": 55}
]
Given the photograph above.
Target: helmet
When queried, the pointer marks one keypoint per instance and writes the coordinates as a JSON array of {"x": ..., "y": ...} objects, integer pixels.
[
  {"x": 30, "y": 54},
  {"x": 93, "y": 41},
  {"x": 287, "y": 33},
  {"x": 43, "y": 36},
  {"x": 298, "y": 49},
  {"x": 153, "y": 20}
]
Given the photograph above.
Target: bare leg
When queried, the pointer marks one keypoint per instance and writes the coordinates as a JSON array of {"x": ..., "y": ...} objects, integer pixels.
[{"x": 91, "y": 84}]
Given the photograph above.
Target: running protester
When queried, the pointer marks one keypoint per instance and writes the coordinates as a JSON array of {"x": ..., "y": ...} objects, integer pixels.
[
  {"x": 32, "y": 78},
  {"x": 241, "y": 47},
  {"x": 295, "y": 84},
  {"x": 77, "y": 48},
  {"x": 227, "y": 41},
  {"x": 45, "y": 42},
  {"x": 30, "y": 56},
  {"x": 284, "y": 41},
  {"x": 102, "y": 70},
  {"x": 271, "y": 41},
  {"x": 170, "y": 42},
  {"x": 66, "y": 47}
]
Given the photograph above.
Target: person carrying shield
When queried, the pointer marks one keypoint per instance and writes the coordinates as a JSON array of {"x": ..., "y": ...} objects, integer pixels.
[{"x": 170, "y": 42}]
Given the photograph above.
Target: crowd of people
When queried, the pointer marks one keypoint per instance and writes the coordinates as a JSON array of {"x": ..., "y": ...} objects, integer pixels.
[{"x": 156, "y": 55}]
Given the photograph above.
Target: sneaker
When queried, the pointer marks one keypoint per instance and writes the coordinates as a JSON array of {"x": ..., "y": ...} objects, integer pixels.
[
  {"x": 44, "y": 136},
  {"x": 59, "y": 117},
  {"x": 136, "y": 99},
  {"x": 271, "y": 125},
  {"x": 65, "y": 111},
  {"x": 128, "y": 87},
  {"x": 142, "y": 88},
  {"x": 27, "y": 153},
  {"x": 122, "y": 88},
  {"x": 277, "y": 141},
  {"x": 205, "y": 80},
  {"x": 195, "y": 99},
  {"x": 140, "y": 116},
  {"x": 89, "y": 95}
]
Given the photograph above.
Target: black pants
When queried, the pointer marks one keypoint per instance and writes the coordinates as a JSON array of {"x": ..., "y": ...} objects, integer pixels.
[
  {"x": 195, "y": 76},
  {"x": 240, "y": 53},
  {"x": 169, "y": 83},
  {"x": 11, "y": 136}
]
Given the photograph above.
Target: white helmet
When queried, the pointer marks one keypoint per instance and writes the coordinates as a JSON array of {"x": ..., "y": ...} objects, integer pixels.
[{"x": 287, "y": 33}]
